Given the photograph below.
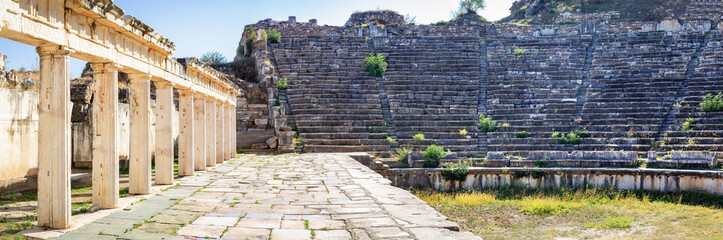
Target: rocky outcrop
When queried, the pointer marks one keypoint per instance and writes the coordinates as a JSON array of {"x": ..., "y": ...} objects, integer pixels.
[{"x": 383, "y": 17}]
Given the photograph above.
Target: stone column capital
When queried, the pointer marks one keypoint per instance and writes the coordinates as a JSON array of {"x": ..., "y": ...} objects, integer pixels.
[
  {"x": 199, "y": 95},
  {"x": 46, "y": 51},
  {"x": 139, "y": 77},
  {"x": 163, "y": 84},
  {"x": 102, "y": 67}
]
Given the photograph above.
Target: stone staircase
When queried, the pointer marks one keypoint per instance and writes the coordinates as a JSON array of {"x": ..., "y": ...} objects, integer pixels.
[
  {"x": 535, "y": 90},
  {"x": 706, "y": 78},
  {"x": 631, "y": 92},
  {"x": 335, "y": 104},
  {"x": 432, "y": 85},
  {"x": 635, "y": 79}
]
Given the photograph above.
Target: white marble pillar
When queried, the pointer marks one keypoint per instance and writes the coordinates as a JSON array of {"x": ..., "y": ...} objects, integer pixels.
[
  {"x": 54, "y": 110},
  {"x": 210, "y": 132},
  {"x": 185, "y": 138},
  {"x": 140, "y": 134},
  {"x": 226, "y": 135},
  {"x": 164, "y": 133},
  {"x": 105, "y": 135},
  {"x": 234, "y": 131},
  {"x": 219, "y": 132},
  {"x": 199, "y": 129}
]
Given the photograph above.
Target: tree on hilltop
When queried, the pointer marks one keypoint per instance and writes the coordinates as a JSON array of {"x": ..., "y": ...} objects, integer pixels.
[
  {"x": 213, "y": 57},
  {"x": 470, "y": 6}
]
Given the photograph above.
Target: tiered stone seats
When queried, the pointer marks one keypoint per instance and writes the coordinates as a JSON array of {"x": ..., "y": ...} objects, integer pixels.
[
  {"x": 432, "y": 84},
  {"x": 334, "y": 102},
  {"x": 706, "y": 132},
  {"x": 535, "y": 90},
  {"x": 635, "y": 79}
]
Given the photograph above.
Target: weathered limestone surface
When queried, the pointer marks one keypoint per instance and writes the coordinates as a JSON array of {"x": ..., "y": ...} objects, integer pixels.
[
  {"x": 164, "y": 134},
  {"x": 186, "y": 136},
  {"x": 199, "y": 128},
  {"x": 54, "y": 129},
  {"x": 211, "y": 133},
  {"x": 140, "y": 132},
  {"x": 19, "y": 123},
  {"x": 105, "y": 133},
  {"x": 285, "y": 196}
]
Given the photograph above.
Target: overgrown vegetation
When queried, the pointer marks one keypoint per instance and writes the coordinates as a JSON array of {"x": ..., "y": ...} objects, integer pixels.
[
  {"x": 456, "y": 171},
  {"x": 250, "y": 40},
  {"x": 712, "y": 103},
  {"x": 432, "y": 156},
  {"x": 522, "y": 213},
  {"x": 486, "y": 124},
  {"x": 213, "y": 57},
  {"x": 282, "y": 84},
  {"x": 274, "y": 36},
  {"x": 687, "y": 124},
  {"x": 375, "y": 65},
  {"x": 403, "y": 154},
  {"x": 463, "y": 132},
  {"x": 522, "y": 134},
  {"x": 519, "y": 52},
  {"x": 572, "y": 138},
  {"x": 418, "y": 136}
]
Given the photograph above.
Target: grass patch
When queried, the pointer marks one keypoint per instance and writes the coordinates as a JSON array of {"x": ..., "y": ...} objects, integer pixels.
[{"x": 519, "y": 213}]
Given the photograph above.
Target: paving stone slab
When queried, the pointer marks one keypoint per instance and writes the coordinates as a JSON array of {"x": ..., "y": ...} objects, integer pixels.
[{"x": 279, "y": 197}]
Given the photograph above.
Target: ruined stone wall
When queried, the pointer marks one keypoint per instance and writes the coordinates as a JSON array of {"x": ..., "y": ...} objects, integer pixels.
[
  {"x": 19, "y": 137},
  {"x": 621, "y": 82}
]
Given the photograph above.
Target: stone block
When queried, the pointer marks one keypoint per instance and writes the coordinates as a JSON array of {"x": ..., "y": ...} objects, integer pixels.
[{"x": 272, "y": 142}]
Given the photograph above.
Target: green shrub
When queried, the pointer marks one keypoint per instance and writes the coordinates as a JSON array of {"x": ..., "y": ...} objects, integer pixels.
[
  {"x": 574, "y": 137},
  {"x": 282, "y": 84},
  {"x": 432, "y": 155},
  {"x": 522, "y": 134},
  {"x": 456, "y": 171},
  {"x": 250, "y": 39},
  {"x": 418, "y": 136},
  {"x": 403, "y": 154},
  {"x": 375, "y": 65},
  {"x": 712, "y": 103},
  {"x": 391, "y": 140},
  {"x": 570, "y": 138},
  {"x": 687, "y": 123},
  {"x": 463, "y": 132},
  {"x": 274, "y": 36},
  {"x": 519, "y": 52},
  {"x": 583, "y": 133},
  {"x": 486, "y": 124}
]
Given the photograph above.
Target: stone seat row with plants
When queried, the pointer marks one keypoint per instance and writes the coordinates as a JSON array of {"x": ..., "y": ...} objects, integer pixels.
[
  {"x": 334, "y": 102},
  {"x": 352, "y": 94}
]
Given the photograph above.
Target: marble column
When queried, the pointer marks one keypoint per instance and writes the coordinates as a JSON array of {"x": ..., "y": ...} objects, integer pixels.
[
  {"x": 140, "y": 134},
  {"x": 199, "y": 129},
  {"x": 164, "y": 133},
  {"x": 210, "y": 132},
  {"x": 54, "y": 110},
  {"x": 105, "y": 135},
  {"x": 186, "y": 149}
]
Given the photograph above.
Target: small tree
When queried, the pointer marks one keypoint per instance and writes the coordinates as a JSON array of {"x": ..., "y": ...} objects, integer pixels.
[
  {"x": 274, "y": 36},
  {"x": 471, "y": 6},
  {"x": 409, "y": 19},
  {"x": 213, "y": 57},
  {"x": 375, "y": 65}
]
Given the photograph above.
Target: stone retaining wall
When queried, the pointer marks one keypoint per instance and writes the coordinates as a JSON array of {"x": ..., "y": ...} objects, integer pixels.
[{"x": 621, "y": 179}]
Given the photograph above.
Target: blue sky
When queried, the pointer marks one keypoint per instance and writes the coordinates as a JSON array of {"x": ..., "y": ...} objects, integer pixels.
[{"x": 216, "y": 25}]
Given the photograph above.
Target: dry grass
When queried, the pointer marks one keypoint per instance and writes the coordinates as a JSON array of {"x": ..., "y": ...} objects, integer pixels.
[{"x": 583, "y": 214}]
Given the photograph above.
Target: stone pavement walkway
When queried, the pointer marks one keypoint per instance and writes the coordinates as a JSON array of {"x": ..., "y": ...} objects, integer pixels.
[{"x": 309, "y": 196}]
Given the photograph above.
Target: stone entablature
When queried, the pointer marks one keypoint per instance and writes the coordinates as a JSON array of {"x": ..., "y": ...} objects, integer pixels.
[
  {"x": 384, "y": 17},
  {"x": 97, "y": 31}
]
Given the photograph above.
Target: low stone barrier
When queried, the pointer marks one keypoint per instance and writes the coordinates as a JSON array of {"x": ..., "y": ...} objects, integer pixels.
[{"x": 664, "y": 180}]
